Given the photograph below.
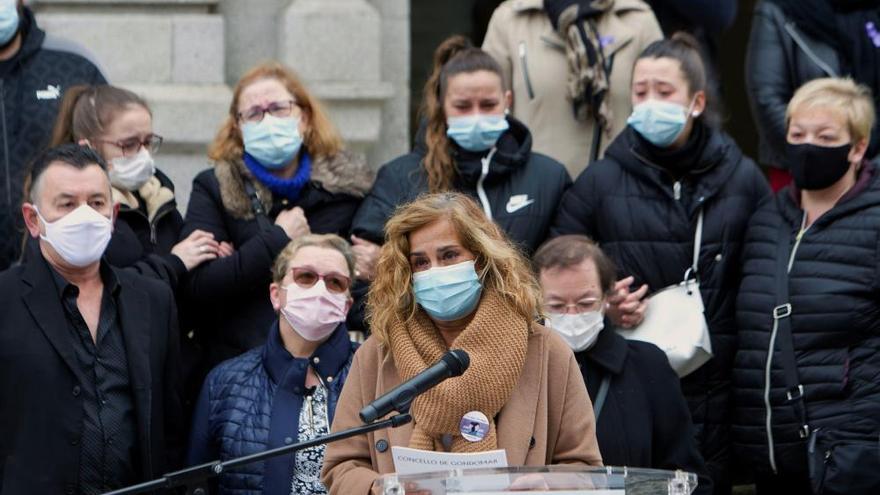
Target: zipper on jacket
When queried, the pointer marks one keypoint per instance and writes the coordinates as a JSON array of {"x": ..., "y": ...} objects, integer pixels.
[
  {"x": 768, "y": 423},
  {"x": 5, "y": 141},
  {"x": 676, "y": 190},
  {"x": 525, "y": 69},
  {"x": 481, "y": 192}
]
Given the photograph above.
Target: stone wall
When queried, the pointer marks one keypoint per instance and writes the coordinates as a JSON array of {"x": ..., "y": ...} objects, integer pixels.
[{"x": 184, "y": 56}]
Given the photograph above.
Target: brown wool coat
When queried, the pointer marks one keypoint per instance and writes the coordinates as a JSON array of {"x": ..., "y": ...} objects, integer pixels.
[
  {"x": 532, "y": 57},
  {"x": 550, "y": 404}
]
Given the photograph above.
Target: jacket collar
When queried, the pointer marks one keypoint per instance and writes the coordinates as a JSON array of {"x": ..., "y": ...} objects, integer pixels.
[
  {"x": 157, "y": 195},
  {"x": 609, "y": 351},
  {"x": 31, "y": 35},
  {"x": 615, "y": 32},
  {"x": 864, "y": 194},
  {"x": 289, "y": 372},
  {"x": 512, "y": 152},
  {"x": 343, "y": 173},
  {"x": 718, "y": 162}
]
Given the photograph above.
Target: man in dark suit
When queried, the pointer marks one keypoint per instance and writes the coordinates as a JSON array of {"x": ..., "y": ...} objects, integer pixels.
[{"x": 89, "y": 397}]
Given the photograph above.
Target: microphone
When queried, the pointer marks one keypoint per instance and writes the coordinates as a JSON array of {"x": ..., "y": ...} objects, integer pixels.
[{"x": 453, "y": 363}]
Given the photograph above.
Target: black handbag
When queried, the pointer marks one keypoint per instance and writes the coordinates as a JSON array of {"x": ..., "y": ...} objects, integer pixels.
[{"x": 839, "y": 462}]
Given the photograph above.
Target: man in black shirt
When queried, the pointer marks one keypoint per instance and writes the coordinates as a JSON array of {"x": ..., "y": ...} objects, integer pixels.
[{"x": 88, "y": 353}]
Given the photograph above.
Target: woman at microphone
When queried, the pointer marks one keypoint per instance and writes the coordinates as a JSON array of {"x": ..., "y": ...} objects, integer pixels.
[
  {"x": 286, "y": 390},
  {"x": 447, "y": 278}
]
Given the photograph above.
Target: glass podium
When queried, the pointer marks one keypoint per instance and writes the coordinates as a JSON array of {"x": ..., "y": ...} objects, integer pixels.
[{"x": 550, "y": 480}]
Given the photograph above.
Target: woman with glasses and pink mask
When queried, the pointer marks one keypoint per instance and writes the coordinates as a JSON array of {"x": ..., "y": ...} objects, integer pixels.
[
  {"x": 280, "y": 172},
  {"x": 286, "y": 390},
  {"x": 118, "y": 124}
]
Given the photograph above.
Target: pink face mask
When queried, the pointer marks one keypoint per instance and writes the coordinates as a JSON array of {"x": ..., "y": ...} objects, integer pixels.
[{"x": 314, "y": 312}]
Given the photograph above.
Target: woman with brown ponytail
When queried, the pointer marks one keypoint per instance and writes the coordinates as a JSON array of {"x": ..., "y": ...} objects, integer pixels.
[
  {"x": 118, "y": 124},
  {"x": 471, "y": 146}
]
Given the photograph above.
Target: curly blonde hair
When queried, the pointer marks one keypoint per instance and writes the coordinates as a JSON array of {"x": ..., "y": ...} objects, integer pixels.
[
  {"x": 500, "y": 264},
  {"x": 321, "y": 139}
]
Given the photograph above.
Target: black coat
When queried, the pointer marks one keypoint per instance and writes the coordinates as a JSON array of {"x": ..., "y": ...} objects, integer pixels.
[
  {"x": 32, "y": 85},
  {"x": 229, "y": 297},
  {"x": 514, "y": 172},
  {"x": 834, "y": 288},
  {"x": 645, "y": 421},
  {"x": 780, "y": 58},
  {"x": 145, "y": 243},
  {"x": 629, "y": 206},
  {"x": 40, "y": 406}
]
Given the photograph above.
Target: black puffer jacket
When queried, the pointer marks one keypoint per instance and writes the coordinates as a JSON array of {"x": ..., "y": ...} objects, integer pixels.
[
  {"x": 147, "y": 227},
  {"x": 229, "y": 296},
  {"x": 32, "y": 85},
  {"x": 522, "y": 187},
  {"x": 834, "y": 289},
  {"x": 645, "y": 221}
]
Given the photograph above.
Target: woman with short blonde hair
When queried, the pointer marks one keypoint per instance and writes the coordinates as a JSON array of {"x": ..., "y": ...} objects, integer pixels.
[
  {"x": 808, "y": 311},
  {"x": 280, "y": 172},
  {"x": 447, "y": 278}
]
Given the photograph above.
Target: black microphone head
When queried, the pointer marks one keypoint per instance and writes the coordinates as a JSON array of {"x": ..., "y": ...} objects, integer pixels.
[{"x": 457, "y": 360}]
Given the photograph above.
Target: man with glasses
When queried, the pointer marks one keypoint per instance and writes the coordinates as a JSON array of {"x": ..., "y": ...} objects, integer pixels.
[{"x": 35, "y": 71}]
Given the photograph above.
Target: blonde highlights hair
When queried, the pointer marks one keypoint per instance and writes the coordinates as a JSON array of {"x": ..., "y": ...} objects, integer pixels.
[
  {"x": 328, "y": 241},
  {"x": 500, "y": 265},
  {"x": 321, "y": 139},
  {"x": 841, "y": 95}
]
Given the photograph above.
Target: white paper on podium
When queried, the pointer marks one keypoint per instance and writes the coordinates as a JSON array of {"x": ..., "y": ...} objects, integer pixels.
[{"x": 415, "y": 461}]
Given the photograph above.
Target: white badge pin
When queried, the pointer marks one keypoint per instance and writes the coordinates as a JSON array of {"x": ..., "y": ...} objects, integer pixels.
[{"x": 474, "y": 426}]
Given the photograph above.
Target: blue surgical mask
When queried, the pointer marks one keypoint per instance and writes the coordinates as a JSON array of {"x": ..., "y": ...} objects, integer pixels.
[
  {"x": 476, "y": 132},
  {"x": 8, "y": 20},
  {"x": 660, "y": 122},
  {"x": 448, "y": 293},
  {"x": 273, "y": 141}
]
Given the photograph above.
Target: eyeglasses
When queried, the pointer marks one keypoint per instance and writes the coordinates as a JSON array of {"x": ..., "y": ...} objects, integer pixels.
[
  {"x": 132, "y": 146},
  {"x": 581, "y": 306},
  {"x": 307, "y": 278},
  {"x": 280, "y": 109}
]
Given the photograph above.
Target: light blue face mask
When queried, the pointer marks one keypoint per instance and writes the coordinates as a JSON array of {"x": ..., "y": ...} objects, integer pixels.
[
  {"x": 660, "y": 122},
  {"x": 448, "y": 293},
  {"x": 8, "y": 20},
  {"x": 273, "y": 141},
  {"x": 476, "y": 132}
]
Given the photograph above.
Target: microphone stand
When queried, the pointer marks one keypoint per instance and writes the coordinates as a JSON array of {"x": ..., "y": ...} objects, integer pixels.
[{"x": 202, "y": 472}]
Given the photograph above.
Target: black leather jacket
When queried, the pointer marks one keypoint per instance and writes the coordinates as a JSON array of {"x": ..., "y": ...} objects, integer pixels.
[{"x": 780, "y": 59}]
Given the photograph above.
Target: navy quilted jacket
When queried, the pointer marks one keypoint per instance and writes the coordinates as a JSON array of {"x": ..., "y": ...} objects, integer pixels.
[
  {"x": 645, "y": 218},
  {"x": 834, "y": 289},
  {"x": 251, "y": 403}
]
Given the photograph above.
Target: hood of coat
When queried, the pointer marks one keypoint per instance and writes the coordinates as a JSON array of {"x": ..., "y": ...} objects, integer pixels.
[
  {"x": 513, "y": 150},
  {"x": 344, "y": 173},
  {"x": 717, "y": 163},
  {"x": 31, "y": 35}
]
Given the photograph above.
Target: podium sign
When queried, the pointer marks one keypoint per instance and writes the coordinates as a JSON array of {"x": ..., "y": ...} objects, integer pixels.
[{"x": 543, "y": 480}]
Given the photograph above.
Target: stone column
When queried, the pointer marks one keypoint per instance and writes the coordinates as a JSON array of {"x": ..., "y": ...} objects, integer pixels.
[{"x": 170, "y": 52}]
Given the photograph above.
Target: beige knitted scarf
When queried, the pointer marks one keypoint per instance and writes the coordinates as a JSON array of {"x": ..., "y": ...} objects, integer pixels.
[{"x": 496, "y": 342}]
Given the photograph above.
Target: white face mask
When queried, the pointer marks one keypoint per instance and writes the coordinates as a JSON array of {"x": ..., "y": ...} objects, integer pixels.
[
  {"x": 80, "y": 237},
  {"x": 580, "y": 330},
  {"x": 129, "y": 173}
]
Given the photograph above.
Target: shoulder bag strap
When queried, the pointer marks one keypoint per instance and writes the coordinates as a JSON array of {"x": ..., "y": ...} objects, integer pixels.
[
  {"x": 794, "y": 390},
  {"x": 601, "y": 395},
  {"x": 256, "y": 204}
]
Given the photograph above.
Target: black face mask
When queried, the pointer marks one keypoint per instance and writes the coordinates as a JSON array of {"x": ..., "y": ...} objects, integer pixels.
[{"x": 817, "y": 167}]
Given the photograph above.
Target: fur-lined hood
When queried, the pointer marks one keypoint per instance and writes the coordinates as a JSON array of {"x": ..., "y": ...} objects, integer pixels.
[{"x": 344, "y": 173}]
